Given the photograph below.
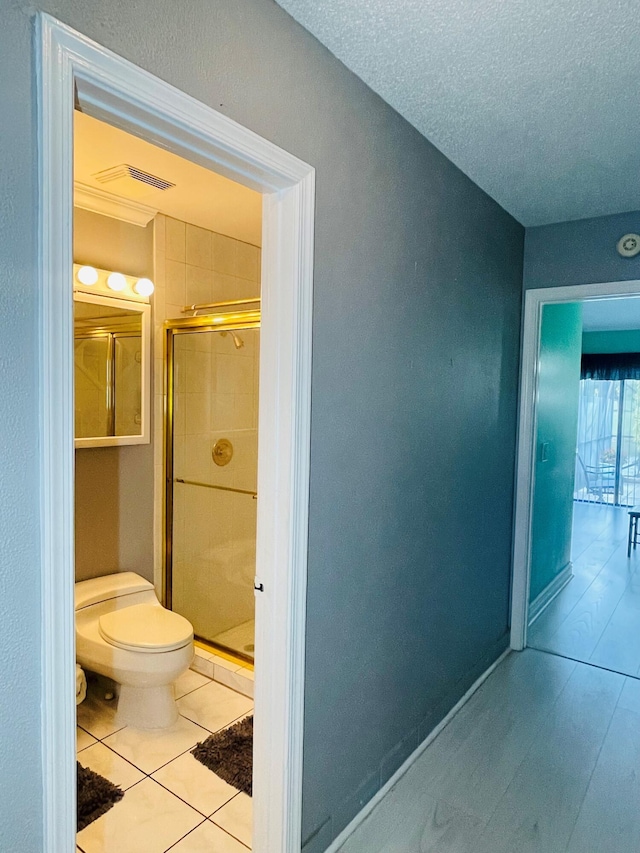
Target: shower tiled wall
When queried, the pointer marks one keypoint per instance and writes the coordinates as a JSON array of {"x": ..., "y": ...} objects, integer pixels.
[{"x": 216, "y": 397}]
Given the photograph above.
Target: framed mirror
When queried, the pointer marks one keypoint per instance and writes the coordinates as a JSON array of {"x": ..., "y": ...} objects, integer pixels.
[{"x": 112, "y": 370}]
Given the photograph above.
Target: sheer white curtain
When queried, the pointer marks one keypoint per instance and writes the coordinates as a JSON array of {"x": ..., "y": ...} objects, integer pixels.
[{"x": 607, "y": 455}]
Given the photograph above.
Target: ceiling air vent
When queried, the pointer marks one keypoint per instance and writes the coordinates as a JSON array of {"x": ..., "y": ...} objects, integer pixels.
[{"x": 130, "y": 181}]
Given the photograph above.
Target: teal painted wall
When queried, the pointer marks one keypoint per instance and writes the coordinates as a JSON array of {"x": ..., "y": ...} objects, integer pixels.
[
  {"x": 622, "y": 341},
  {"x": 559, "y": 382}
]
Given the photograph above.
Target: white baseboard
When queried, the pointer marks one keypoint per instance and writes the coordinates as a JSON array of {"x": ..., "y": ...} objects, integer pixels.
[
  {"x": 351, "y": 827},
  {"x": 542, "y": 601}
]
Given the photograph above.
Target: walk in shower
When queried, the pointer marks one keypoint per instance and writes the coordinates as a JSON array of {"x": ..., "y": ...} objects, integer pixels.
[{"x": 211, "y": 476}]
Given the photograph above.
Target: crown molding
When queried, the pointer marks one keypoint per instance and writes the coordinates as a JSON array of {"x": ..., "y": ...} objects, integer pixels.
[{"x": 108, "y": 204}]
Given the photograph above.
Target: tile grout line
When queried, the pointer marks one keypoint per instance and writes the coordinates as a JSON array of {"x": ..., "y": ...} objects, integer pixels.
[
  {"x": 222, "y": 827},
  {"x": 188, "y": 749},
  {"x": 206, "y": 820},
  {"x": 146, "y": 775},
  {"x": 186, "y": 803},
  {"x": 173, "y": 793},
  {"x": 188, "y": 693},
  {"x": 182, "y": 838},
  {"x": 206, "y": 816}
]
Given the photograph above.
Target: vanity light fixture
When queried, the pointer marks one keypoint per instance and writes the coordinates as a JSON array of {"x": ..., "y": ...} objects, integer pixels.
[
  {"x": 87, "y": 275},
  {"x": 108, "y": 283},
  {"x": 144, "y": 287},
  {"x": 116, "y": 281}
]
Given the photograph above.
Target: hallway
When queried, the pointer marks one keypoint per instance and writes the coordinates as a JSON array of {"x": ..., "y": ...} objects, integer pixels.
[
  {"x": 542, "y": 759},
  {"x": 596, "y": 617}
]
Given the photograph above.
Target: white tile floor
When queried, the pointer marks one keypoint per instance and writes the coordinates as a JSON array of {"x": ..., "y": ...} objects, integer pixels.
[{"x": 171, "y": 802}]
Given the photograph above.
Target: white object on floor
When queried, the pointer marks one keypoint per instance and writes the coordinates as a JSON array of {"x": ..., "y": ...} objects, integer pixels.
[
  {"x": 81, "y": 684},
  {"x": 123, "y": 632}
]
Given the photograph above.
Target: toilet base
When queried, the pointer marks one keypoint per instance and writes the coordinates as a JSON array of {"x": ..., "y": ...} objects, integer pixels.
[{"x": 147, "y": 707}]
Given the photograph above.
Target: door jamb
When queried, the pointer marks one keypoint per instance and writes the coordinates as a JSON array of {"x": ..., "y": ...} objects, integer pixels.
[
  {"x": 534, "y": 302},
  {"x": 115, "y": 90}
]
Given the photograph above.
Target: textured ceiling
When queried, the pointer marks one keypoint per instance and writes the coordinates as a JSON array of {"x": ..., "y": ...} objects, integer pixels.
[{"x": 536, "y": 100}]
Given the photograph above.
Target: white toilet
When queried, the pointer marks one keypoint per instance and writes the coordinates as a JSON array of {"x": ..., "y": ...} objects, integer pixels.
[{"x": 123, "y": 632}]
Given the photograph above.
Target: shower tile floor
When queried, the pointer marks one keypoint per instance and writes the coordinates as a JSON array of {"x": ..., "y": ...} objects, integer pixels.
[
  {"x": 171, "y": 802},
  {"x": 240, "y": 638}
]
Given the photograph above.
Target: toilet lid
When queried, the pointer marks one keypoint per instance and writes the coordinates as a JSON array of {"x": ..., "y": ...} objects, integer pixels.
[{"x": 145, "y": 628}]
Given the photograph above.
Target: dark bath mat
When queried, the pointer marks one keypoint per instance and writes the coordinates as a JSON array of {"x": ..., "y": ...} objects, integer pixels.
[
  {"x": 229, "y": 754},
  {"x": 96, "y": 795}
]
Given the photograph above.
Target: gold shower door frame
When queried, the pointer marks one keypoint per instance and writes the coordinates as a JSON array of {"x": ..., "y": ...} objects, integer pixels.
[{"x": 189, "y": 325}]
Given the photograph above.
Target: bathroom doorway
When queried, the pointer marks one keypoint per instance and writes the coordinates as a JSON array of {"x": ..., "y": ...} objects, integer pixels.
[
  {"x": 166, "y": 232},
  {"x": 212, "y": 365},
  {"x": 73, "y": 71}
]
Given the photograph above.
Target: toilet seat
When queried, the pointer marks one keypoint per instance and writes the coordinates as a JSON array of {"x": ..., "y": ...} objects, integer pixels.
[{"x": 145, "y": 628}]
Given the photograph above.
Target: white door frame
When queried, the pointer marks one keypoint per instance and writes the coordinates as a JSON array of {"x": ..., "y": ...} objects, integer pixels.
[
  {"x": 534, "y": 302},
  {"x": 115, "y": 90}
]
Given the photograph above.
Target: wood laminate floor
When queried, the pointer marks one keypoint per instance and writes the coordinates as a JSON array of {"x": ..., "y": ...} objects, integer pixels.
[
  {"x": 596, "y": 617},
  {"x": 544, "y": 758}
]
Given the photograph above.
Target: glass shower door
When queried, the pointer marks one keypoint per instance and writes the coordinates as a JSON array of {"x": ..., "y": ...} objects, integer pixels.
[{"x": 212, "y": 547}]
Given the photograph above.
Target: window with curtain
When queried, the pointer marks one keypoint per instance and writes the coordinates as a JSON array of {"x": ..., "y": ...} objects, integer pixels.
[{"x": 608, "y": 442}]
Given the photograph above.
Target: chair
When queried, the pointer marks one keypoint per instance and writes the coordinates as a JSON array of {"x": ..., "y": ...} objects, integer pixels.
[
  {"x": 634, "y": 515},
  {"x": 600, "y": 479}
]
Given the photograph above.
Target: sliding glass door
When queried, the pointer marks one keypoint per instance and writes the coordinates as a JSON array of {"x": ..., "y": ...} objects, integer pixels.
[{"x": 608, "y": 445}]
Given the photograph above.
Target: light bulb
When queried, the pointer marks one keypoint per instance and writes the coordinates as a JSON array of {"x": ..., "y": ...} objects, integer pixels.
[
  {"x": 87, "y": 275},
  {"x": 144, "y": 287},
  {"x": 117, "y": 281}
]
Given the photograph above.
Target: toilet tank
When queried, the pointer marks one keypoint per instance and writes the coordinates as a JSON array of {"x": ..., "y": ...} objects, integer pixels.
[{"x": 108, "y": 587}]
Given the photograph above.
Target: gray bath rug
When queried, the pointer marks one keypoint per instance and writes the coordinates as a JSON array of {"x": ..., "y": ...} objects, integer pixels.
[
  {"x": 229, "y": 753},
  {"x": 96, "y": 795}
]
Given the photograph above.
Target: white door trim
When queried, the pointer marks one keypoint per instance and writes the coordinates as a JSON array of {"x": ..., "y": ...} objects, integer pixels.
[
  {"x": 534, "y": 301},
  {"x": 117, "y": 91}
]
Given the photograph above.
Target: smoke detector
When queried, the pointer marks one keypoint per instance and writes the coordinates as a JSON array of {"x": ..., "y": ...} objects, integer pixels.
[
  {"x": 629, "y": 245},
  {"x": 132, "y": 182}
]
